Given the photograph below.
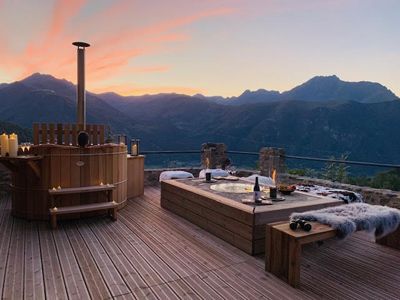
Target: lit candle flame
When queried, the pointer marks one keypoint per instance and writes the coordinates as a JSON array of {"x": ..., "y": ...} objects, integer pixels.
[
  {"x": 207, "y": 163},
  {"x": 274, "y": 176}
]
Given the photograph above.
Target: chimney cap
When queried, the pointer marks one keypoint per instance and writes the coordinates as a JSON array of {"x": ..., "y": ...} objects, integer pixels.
[{"x": 81, "y": 44}]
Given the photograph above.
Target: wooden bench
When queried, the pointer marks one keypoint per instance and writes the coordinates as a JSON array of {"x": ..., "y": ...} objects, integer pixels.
[
  {"x": 283, "y": 248},
  {"x": 110, "y": 205}
]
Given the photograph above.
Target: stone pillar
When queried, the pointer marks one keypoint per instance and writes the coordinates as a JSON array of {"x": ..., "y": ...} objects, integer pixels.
[
  {"x": 213, "y": 155},
  {"x": 270, "y": 159}
]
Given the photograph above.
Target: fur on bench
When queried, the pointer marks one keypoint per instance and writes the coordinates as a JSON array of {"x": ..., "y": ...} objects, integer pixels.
[{"x": 349, "y": 218}]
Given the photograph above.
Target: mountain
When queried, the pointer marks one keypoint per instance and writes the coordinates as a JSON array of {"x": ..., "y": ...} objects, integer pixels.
[
  {"x": 329, "y": 88},
  {"x": 368, "y": 131},
  {"x": 259, "y": 96},
  {"x": 319, "y": 88},
  {"x": 43, "y": 98}
]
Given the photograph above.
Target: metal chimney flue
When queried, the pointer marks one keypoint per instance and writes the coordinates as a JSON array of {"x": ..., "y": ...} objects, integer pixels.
[{"x": 81, "y": 92}]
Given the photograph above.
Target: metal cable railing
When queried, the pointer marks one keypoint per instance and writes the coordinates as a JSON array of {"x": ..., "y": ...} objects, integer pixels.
[
  {"x": 171, "y": 152},
  {"x": 348, "y": 162},
  {"x": 243, "y": 152},
  {"x": 295, "y": 157}
]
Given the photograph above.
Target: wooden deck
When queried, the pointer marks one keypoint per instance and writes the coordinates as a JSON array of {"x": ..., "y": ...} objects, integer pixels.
[{"x": 152, "y": 253}]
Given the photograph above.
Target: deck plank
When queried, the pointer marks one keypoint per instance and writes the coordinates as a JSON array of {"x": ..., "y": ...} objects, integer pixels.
[
  {"x": 5, "y": 238},
  {"x": 74, "y": 282},
  {"x": 177, "y": 242},
  {"x": 144, "y": 274},
  {"x": 150, "y": 253},
  {"x": 33, "y": 279},
  {"x": 14, "y": 279},
  {"x": 105, "y": 265},
  {"x": 53, "y": 276},
  {"x": 97, "y": 288}
]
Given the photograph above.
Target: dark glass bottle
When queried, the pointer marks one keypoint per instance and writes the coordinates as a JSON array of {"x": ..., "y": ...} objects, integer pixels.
[{"x": 257, "y": 192}]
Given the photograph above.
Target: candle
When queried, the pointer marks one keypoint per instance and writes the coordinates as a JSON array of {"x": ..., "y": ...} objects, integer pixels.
[
  {"x": 134, "y": 149},
  {"x": 4, "y": 144},
  {"x": 13, "y": 145}
]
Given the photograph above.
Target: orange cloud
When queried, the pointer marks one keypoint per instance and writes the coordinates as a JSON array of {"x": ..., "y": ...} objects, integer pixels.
[
  {"x": 127, "y": 91},
  {"x": 46, "y": 54}
]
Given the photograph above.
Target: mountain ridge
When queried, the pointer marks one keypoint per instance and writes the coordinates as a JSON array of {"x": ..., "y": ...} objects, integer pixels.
[
  {"x": 318, "y": 88},
  {"x": 175, "y": 121}
]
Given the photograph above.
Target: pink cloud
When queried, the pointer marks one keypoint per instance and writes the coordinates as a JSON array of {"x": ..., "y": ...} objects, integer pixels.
[
  {"x": 112, "y": 52},
  {"x": 62, "y": 13}
]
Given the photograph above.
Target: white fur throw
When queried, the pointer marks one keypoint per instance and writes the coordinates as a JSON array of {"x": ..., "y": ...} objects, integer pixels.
[
  {"x": 346, "y": 196},
  {"x": 349, "y": 218}
]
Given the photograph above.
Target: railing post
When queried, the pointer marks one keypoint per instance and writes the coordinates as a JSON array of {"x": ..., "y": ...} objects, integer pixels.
[
  {"x": 213, "y": 155},
  {"x": 272, "y": 159}
]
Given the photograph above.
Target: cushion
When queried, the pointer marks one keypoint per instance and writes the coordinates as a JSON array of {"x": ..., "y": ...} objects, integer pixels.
[
  {"x": 261, "y": 180},
  {"x": 214, "y": 173},
  {"x": 175, "y": 175}
]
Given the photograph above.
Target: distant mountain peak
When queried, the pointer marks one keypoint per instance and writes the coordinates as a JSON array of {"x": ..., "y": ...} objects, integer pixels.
[
  {"x": 44, "y": 79},
  {"x": 332, "y": 88},
  {"x": 259, "y": 92},
  {"x": 328, "y": 77}
]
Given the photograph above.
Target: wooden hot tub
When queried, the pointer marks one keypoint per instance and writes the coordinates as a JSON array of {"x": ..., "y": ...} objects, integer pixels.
[{"x": 68, "y": 166}]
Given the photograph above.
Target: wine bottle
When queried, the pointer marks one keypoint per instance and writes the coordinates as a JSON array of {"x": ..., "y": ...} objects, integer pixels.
[{"x": 256, "y": 191}]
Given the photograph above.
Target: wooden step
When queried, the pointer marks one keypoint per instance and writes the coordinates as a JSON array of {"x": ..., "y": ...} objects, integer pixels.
[
  {"x": 54, "y": 211},
  {"x": 82, "y": 208},
  {"x": 80, "y": 190}
]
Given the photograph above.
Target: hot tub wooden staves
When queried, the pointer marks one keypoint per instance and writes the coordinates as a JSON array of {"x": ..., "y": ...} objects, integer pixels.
[{"x": 62, "y": 166}]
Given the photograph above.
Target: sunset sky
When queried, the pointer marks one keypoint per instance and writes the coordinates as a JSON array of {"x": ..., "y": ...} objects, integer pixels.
[{"x": 214, "y": 47}]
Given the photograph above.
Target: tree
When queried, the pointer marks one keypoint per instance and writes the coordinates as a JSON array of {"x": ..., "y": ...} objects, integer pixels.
[{"x": 336, "y": 171}]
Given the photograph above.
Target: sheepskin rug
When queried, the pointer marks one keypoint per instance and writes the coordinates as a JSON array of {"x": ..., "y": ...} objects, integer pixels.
[{"x": 349, "y": 218}]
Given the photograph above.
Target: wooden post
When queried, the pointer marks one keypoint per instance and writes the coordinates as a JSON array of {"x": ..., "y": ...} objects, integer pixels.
[
  {"x": 67, "y": 134},
  {"x": 95, "y": 134},
  {"x": 53, "y": 221},
  {"x": 36, "y": 134},
  {"x": 101, "y": 134},
  {"x": 51, "y": 133},
  {"x": 74, "y": 134},
  {"x": 59, "y": 134},
  {"x": 44, "y": 133}
]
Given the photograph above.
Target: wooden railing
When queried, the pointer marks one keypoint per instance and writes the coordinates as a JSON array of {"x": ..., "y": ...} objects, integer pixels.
[{"x": 66, "y": 134}]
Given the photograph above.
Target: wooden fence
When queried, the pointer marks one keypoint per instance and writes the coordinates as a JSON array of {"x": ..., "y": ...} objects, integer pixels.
[{"x": 66, "y": 134}]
